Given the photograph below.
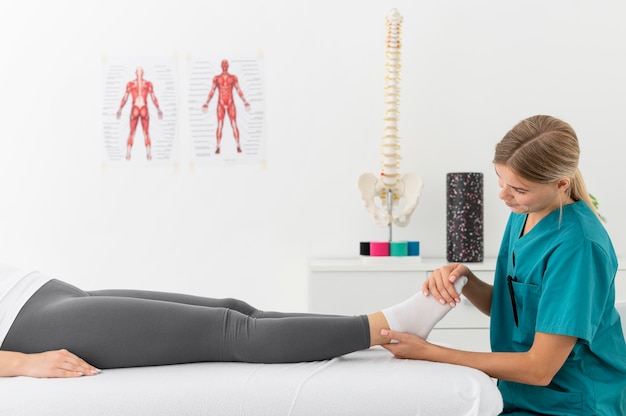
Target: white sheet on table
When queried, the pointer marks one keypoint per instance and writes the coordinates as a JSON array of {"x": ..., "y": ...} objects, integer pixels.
[{"x": 364, "y": 383}]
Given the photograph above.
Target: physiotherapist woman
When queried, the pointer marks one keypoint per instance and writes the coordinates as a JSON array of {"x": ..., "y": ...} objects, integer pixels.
[{"x": 556, "y": 337}]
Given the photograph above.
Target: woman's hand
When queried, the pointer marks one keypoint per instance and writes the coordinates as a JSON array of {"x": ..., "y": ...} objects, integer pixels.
[
  {"x": 406, "y": 346},
  {"x": 59, "y": 363},
  {"x": 440, "y": 283}
]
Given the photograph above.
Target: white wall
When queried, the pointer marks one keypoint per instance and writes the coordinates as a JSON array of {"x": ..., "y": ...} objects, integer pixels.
[{"x": 471, "y": 69}]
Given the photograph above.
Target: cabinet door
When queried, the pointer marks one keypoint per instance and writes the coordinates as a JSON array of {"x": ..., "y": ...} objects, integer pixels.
[
  {"x": 356, "y": 293},
  {"x": 462, "y": 339}
]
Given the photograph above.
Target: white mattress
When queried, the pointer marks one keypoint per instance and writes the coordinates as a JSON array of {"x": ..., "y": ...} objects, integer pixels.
[{"x": 369, "y": 382}]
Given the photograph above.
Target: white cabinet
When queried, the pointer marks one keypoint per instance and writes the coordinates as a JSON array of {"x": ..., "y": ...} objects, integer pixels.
[{"x": 352, "y": 286}]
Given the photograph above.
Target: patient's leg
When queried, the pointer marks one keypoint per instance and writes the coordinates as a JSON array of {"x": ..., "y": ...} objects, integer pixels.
[
  {"x": 229, "y": 303},
  {"x": 234, "y": 304},
  {"x": 376, "y": 321},
  {"x": 114, "y": 331}
]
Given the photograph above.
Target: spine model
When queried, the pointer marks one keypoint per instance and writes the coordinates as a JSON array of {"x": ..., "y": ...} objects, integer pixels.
[
  {"x": 382, "y": 194},
  {"x": 391, "y": 140}
]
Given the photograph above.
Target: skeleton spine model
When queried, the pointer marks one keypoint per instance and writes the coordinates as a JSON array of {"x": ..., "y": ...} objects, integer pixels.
[
  {"x": 382, "y": 194},
  {"x": 390, "y": 139}
]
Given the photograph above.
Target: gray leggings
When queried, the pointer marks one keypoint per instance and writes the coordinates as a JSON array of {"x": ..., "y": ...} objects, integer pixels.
[{"x": 128, "y": 328}]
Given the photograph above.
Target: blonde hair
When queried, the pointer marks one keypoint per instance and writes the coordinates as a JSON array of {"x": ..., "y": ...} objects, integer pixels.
[{"x": 544, "y": 149}]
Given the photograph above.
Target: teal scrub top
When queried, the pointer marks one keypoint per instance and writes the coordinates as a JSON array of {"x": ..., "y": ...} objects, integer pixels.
[{"x": 561, "y": 275}]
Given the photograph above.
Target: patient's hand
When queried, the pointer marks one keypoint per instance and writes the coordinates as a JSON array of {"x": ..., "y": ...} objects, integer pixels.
[{"x": 59, "y": 363}]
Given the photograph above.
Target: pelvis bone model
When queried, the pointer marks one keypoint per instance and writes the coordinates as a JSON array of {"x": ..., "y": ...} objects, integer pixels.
[{"x": 382, "y": 194}]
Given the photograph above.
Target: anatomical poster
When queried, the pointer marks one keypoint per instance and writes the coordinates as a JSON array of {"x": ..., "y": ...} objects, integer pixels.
[
  {"x": 226, "y": 107},
  {"x": 139, "y": 111}
]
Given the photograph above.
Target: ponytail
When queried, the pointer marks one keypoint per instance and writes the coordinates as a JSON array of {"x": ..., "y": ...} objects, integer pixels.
[{"x": 578, "y": 191}]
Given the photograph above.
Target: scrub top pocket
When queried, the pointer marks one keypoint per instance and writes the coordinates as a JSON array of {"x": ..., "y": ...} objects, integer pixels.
[{"x": 527, "y": 297}]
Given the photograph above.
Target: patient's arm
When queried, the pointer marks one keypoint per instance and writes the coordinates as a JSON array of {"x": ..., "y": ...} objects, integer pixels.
[{"x": 59, "y": 363}]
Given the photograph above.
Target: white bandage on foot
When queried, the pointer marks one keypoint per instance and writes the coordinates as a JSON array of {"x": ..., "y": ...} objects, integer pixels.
[{"x": 419, "y": 314}]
